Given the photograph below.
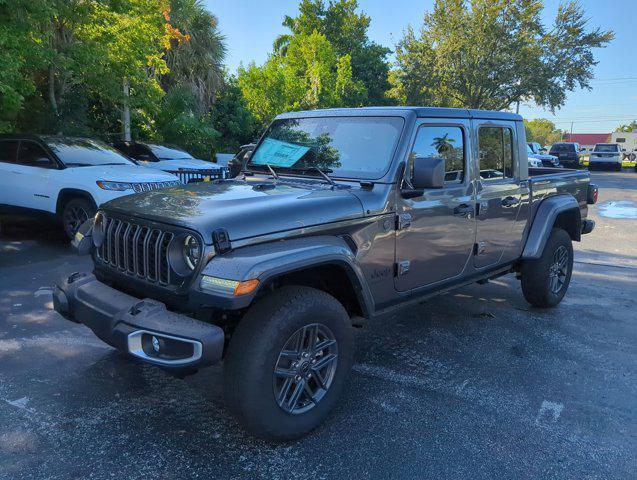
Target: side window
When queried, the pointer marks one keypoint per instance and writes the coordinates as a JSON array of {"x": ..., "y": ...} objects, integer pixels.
[
  {"x": 442, "y": 142},
  {"x": 8, "y": 151},
  {"x": 496, "y": 152},
  {"x": 31, "y": 154}
]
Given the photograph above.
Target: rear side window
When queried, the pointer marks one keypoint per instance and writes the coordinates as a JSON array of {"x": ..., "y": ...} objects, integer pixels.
[
  {"x": 8, "y": 151},
  {"x": 496, "y": 152},
  {"x": 442, "y": 142}
]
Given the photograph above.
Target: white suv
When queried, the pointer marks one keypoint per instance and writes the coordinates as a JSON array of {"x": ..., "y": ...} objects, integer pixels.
[
  {"x": 606, "y": 154},
  {"x": 68, "y": 178}
]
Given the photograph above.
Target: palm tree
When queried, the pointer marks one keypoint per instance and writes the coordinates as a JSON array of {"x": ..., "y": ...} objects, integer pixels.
[
  {"x": 443, "y": 144},
  {"x": 196, "y": 62}
]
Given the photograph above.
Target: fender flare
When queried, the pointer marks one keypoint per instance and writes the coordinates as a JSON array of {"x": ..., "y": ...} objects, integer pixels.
[
  {"x": 267, "y": 261},
  {"x": 544, "y": 220},
  {"x": 73, "y": 192}
]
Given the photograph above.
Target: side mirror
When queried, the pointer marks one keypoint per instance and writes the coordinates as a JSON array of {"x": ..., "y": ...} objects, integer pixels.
[
  {"x": 428, "y": 173},
  {"x": 83, "y": 240},
  {"x": 43, "y": 162}
]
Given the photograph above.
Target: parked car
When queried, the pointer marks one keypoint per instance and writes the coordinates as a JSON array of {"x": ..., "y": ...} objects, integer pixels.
[
  {"x": 171, "y": 159},
  {"x": 567, "y": 153},
  {"x": 534, "y": 162},
  {"x": 238, "y": 163},
  {"x": 606, "y": 155},
  {"x": 67, "y": 179},
  {"x": 342, "y": 213},
  {"x": 550, "y": 161}
]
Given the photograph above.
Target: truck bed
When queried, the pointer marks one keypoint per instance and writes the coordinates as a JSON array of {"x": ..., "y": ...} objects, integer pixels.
[{"x": 545, "y": 182}]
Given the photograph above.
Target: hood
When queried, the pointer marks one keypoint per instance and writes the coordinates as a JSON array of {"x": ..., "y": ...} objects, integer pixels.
[
  {"x": 193, "y": 164},
  {"x": 125, "y": 173},
  {"x": 245, "y": 208}
]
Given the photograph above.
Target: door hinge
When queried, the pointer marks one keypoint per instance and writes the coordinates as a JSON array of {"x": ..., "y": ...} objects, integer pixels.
[
  {"x": 479, "y": 248},
  {"x": 402, "y": 268},
  {"x": 403, "y": 221}
]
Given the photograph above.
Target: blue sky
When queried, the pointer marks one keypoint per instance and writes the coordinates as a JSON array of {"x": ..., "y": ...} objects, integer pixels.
[{"x": 250, "y": 26}]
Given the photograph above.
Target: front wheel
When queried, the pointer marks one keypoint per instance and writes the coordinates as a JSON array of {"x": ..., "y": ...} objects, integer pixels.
[
  {"x": 287, "y": 362},
  {"x": 546, "y": 280},
  {"x": 75, "y": 212}
]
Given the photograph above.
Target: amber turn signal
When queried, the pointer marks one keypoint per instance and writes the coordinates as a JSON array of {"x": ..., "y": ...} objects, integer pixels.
[{"x": 246, "y": 287}]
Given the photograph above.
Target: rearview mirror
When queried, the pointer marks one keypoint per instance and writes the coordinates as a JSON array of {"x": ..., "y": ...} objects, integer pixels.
[{"x": 428, "y": 173}]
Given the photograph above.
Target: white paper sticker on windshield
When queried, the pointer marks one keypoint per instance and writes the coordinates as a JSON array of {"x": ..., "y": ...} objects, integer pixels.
[{"x": 278, "y": 153}]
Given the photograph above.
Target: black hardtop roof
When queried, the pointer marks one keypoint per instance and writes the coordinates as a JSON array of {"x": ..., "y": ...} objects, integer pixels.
[{"x": 422, "y": 112}]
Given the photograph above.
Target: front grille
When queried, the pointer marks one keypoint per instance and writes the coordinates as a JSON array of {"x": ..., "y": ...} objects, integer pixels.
[
  {"x": 137, "y": 250},
  {"x": 139, "y": 187},
  {"x": 199, "y": 175}
]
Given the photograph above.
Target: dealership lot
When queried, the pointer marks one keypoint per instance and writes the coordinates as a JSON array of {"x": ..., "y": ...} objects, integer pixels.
[{"x": 471, "y": 384}]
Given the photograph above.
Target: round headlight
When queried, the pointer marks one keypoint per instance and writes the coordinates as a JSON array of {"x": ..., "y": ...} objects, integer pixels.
[
  {"x": 191, "y": 251},
  {"x": 99, "y": 232}
]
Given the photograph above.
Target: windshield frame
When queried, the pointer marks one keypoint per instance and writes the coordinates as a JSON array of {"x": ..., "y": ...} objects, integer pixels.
[
  {"x": 373, "y": 176},
  {"x": 50, "y": 143}
]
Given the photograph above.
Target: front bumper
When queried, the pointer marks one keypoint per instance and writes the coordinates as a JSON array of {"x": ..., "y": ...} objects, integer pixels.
[{"x": 144, "y": 328}]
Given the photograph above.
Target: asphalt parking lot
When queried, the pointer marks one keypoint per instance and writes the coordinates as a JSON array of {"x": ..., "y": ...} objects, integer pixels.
[{"x": 472, "y": 384}]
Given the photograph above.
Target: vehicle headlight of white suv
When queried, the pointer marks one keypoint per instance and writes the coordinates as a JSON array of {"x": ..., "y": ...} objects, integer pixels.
[{"x": 135, "y": 186}]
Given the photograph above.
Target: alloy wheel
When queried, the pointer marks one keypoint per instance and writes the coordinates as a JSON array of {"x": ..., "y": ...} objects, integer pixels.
[
  {"x": 305, "y": 368},
  {"x": 558, "y": 270},
  {"x": 74, "y": 217}
]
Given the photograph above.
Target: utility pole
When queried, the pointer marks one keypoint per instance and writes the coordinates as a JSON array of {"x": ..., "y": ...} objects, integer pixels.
[
  {"x": 517, "y": 107},
  {"x": 126, "y": 111},
  {"x": 571, "y": 136}
]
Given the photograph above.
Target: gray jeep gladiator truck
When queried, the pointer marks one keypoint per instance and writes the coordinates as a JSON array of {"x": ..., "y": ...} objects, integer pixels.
[{"x": 339, "y": 213}]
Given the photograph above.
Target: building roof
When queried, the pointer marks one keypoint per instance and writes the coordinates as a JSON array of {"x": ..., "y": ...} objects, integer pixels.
[{"x": 587, "y": 138}]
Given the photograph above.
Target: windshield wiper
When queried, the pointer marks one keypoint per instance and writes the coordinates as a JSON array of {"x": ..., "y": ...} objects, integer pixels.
[
  {"x": 274, "y": 174},
  {"x": 323, "y": 173}
]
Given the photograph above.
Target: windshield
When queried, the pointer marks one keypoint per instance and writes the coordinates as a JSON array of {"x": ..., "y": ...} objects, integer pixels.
[
  {"x": 169, "y": 153},
  {"x": 85, "y": 152},
  {"x": 358, "y": 147},
  {"x": 607, "y": 148},
  {"x": 563, "y": 147},
  {"x": 529, "y": 151},
  {"x": 532, "y": 148}
]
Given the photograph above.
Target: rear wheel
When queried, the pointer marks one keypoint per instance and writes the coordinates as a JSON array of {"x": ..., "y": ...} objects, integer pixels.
[
  {"x": 546, "y": 280},
  {"x": 287, "y": 362},
  {"x": 74, "y": 213}
]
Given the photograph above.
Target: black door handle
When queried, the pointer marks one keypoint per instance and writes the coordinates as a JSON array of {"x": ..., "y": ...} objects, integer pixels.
[
  {"x": 510, "y": 201},
  {"x": 464, "y": 210}
]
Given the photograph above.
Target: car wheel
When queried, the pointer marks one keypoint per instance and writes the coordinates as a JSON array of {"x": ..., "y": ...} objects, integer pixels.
[
  {"x": 75, "y": 212},
  {"x": 287, "y": 362},
  {"x": 546, "y": 280}
]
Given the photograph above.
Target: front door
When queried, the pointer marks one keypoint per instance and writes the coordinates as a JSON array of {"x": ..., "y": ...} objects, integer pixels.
[
  {"x": 499, "y": 192},
  {"x": 436, "y": 231}
]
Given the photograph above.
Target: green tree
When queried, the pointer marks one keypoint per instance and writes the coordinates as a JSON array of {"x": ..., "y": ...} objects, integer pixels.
[
  {"x": 346, "y": 30},
  {"x": 492, "y": 53},
  {"x": 22, "y": 51},
  {"x": 630, "y": 127},
  {"x": 542, "y": 131},
  {"x": 310, "y": 75},
  {"x": 232, "y": 119}
]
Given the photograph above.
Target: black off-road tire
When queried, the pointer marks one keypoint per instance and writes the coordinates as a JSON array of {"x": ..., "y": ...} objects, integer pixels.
[
  {"x": 76, "y": 206},
  {"x": 254, "y": 352},
  {"x": 536, "y": 275}
]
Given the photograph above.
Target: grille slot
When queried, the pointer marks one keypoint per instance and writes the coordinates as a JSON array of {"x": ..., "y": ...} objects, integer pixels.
[{"x": 136, "y": 250}]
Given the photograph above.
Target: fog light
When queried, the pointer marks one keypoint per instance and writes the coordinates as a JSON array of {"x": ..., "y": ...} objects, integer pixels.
[{"x": 156, "y": 344}]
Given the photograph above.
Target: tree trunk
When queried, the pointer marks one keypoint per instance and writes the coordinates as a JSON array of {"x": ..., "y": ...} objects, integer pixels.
[
  {"x": 126, "y": 112},
  {"x": 52, "y": 99}
]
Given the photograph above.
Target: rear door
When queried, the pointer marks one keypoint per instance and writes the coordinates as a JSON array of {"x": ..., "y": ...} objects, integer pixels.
[
  {"x": 500, "y": 192},
  {"x": 32, "y": 174},
  {"x": 436, "y": 231},
  {"x": 8, "y": 177}
]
